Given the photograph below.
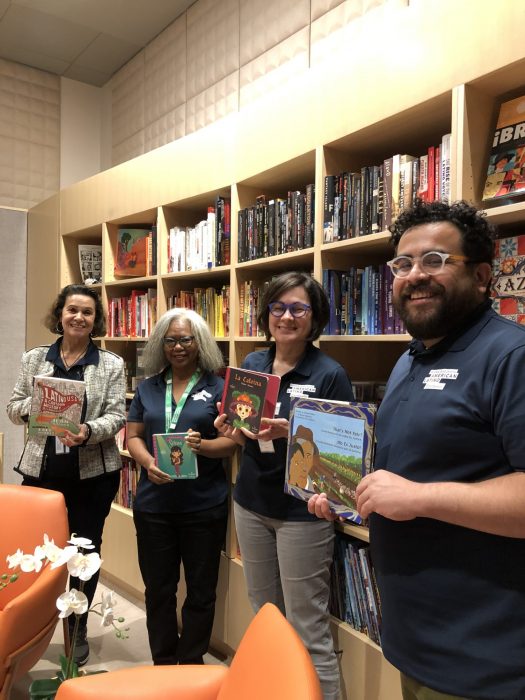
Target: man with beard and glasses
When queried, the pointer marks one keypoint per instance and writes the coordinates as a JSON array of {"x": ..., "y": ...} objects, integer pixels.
[{"x": 446, "y": 500}]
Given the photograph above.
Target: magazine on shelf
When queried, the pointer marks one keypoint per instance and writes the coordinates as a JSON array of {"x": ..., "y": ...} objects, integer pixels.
[
  {"x": 90, "y": 261},
  {"x": 506, "y": 168},
  {"x": 56, "y": 406},
  {"x": 248, "y": 397},
  {"x": 173, "y": 456},
  {"x": 508, "y": 278},
  {"x": 330, "y": 449}
]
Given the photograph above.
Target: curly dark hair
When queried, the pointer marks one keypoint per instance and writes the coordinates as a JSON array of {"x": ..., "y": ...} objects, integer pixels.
[
  {"x": 316, "y": 294},
  {"x": 477, "y": 234},
  {"x": 53, "y": 317}
]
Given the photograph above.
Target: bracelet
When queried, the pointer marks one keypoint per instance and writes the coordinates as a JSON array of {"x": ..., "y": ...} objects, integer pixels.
[{"x": 89, "y": 433}]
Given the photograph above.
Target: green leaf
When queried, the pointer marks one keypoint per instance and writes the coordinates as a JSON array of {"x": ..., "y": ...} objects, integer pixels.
[{"x": 44, "y": 688}]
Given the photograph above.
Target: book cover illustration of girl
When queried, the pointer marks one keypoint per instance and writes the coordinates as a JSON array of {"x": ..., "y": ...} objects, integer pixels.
[
  {"x": 243, "y": 408},
  {"x": 177, "y": 458}
]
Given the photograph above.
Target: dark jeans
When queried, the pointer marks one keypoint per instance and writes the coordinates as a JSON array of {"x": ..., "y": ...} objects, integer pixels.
[
  {"x": 88, "y": 503},
  {"x": 165, "y": 540}
]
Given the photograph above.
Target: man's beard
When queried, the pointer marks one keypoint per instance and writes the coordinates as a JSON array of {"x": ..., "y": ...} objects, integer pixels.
[{"x": 447, "y": 315}]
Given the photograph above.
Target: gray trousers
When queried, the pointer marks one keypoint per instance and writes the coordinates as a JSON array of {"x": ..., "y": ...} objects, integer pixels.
[{"x": 288, "y": 563}]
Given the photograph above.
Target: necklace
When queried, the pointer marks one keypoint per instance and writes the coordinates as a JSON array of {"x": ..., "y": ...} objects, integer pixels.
[{"x": 77, "y": 358}]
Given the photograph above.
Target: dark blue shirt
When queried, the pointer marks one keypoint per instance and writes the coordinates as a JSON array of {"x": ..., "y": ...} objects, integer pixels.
[
  {"x": 453, "y": 599},
  {"x": 260, "y": 483},
  {"x": 210, "y": 488}
]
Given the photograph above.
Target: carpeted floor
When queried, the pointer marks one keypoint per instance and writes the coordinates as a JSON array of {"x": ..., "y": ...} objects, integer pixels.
[{"x": 107, "y": 651}]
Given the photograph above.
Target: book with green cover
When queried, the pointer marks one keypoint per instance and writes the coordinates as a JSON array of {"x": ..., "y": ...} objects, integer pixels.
[
  {"x": 56, "y": 406},
  {"x": 174, "y": 457},
  {"x": 330, "y": 449}
]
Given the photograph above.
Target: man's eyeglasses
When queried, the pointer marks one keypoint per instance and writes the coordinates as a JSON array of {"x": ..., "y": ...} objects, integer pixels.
[
  {"x": 431, "y": 263},
  {"x": 184, "y": 342},
  {"x": 297, "y": 309}
]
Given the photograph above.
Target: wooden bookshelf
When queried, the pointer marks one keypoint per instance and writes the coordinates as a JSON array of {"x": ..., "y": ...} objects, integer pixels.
[{"x": 270, "y": 150}]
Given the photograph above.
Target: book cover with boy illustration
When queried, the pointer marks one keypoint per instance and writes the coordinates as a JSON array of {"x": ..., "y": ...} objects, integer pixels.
[
  {"x": 248, "y": 397},
  {"x": 330, "y": 449},
  {"x": 174, "y": 457},
  {"x": 56, "y": 406}
]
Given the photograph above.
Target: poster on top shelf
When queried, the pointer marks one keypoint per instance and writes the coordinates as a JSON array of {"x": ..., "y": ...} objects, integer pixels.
[
  {"x": 506, "y": 168},
  {"x": 330, "y": 449}
]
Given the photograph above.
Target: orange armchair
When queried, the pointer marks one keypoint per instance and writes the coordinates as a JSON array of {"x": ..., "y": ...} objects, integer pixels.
[
  {"x": 28, "y": 612},
  {"x": 271, "y": 663}
]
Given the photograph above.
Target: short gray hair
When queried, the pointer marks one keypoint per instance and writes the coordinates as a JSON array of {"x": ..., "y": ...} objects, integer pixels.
[{"x": 210, "y": 358}]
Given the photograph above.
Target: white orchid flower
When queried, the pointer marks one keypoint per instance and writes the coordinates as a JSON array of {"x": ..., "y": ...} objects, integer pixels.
[
  {"x": 108, "y": 602},
  {"x": 13, "y": 560},
  {"x": 30, "y": 563},
  {"x": 72, "y": 601},
  {"x": 84, "y": 566},
  {"x": 63, "y": 556},
  {"x": 81, "y": 542},
  {"x": 50, "y": 550}
]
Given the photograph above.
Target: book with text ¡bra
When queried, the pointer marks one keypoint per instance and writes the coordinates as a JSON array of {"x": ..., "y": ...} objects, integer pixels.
[
  {"x": 56, "y": 406},
  {"x": 174, "y": 457},
  {"x": 248, "y": 397}
]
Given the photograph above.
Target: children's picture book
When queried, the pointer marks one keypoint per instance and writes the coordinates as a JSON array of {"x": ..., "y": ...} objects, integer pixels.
[
  {"x": 131, "y": 256},
  {"x": 508, "y": 278},
  {"x": 56, "y": 406},
  {"x": 248, "y": 397},
  {"x": 506, "y": 169},
  {"x": 90, "y": 260},
  {"x": 174, "y": 457},
  {"x": 330, "y": 449}
]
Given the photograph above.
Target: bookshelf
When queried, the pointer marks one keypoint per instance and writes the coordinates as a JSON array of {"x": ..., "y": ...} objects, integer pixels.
[{"x": 240, "y": 157}]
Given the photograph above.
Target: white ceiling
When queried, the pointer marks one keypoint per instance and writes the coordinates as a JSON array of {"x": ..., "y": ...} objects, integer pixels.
[{"x": 85, "y": 40}]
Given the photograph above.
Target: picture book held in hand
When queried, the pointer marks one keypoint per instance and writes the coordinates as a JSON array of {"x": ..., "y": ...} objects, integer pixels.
[
  {"x": 56, "y": 406},
  {"x": 248, "y": 397},
  {"x": 330, "y": 449},
  {"x": 174, "y": 457}
]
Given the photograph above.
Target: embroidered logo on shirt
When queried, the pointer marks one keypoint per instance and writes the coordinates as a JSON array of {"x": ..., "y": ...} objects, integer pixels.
[
  {"x": 202, "y": 395},
  {"x": 436, "y": 377},
  {"x": 300, "y": 389}
]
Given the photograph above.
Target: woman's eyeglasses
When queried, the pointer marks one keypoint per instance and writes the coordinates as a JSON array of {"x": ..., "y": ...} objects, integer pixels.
[
  {"x": 297, "y": 309},
  {"x": 184, "y": 342}
]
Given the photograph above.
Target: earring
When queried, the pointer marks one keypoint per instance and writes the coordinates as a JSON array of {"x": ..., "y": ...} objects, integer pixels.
[{"x": 59, "y": 328}]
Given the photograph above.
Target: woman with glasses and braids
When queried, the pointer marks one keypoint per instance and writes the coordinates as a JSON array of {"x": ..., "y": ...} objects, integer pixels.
[
  {"x": 180, "y": 520},
  {"x": 286, "y": 553}
]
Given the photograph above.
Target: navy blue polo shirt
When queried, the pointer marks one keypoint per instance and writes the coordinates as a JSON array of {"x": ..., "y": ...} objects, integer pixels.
[
  {"x": 260, "y": 483},
  {"x": 210, "y": 488},
  {"x": 452, "y": 598}
]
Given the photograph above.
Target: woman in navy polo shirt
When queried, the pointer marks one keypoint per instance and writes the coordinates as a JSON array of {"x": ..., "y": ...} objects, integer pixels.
[
  {"x": 286, "y": 554},
  {"x": 180, "y": 521}
]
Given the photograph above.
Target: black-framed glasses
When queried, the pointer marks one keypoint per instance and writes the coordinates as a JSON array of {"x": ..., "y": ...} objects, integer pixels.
[
  {"x": 297, "y": 309},
  {"x": 431, "y": 263},
  {"x": 185, "y": 341}
]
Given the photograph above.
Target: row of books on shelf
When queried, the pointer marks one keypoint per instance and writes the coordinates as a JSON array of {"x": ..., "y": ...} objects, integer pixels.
[
  {"x": 361, "y": 302},
  {"x": 134, "y": 315},
  {"x": 212, "y": 304},
  {"x": 136, "y": 251},
  {"x": 129, "y": 477},
  {"x": 368, "y": 201},
  {"x": 205, "y": 245},
  {"x": 276, "y": 226},
  {"x": 250, "y": 294},
  {"x": 354, "y": 597}
]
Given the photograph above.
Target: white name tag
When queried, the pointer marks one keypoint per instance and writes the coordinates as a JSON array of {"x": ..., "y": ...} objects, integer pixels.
[{"x": 266, "y": 445}]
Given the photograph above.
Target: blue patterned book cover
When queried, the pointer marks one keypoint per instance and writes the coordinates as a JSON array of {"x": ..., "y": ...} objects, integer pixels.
[
  {"x": 173, "y": 455},
  {"x": 330, "y": 449}
]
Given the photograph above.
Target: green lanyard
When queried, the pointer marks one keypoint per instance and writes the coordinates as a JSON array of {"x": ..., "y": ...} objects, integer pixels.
[{"x": 171, "y": 423}]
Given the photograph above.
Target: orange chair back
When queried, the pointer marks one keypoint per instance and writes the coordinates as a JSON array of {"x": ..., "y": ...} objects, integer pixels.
[{"x": 271, "y": 663}]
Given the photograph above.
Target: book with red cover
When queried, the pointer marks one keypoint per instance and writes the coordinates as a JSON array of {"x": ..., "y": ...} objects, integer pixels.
[
  {"x": 56, "y": 406},
  {"x": 248, "y": 397},
  {"x": 506, "y": 168},
  {"x": 131, "y": 256}
]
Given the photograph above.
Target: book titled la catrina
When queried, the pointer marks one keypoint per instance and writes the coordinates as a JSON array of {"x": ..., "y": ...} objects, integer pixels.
[
  {"x": 56, "y": 406},
  {"x": 174, "y": 457},
  {"x": 248, "y": 397}
]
